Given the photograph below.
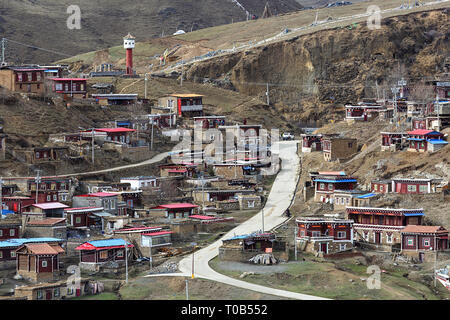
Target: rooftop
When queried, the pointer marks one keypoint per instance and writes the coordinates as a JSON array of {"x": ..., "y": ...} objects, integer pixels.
[
  {"x": 423, "y": 229},
  {"x": 46, "y": 222},
  {"x": 50, "y": 205}
]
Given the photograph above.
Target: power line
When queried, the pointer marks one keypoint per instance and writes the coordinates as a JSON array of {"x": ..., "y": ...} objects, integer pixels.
[{"x": 38, "y": 48}]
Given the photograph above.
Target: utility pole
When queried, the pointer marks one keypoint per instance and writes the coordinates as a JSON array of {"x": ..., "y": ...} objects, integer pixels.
[
  {"x": 93, "y": 148},
  {"x": 395, "y": 91},
  {"x": 267, "y": 94},
  {"x": 295, "y": 242},
  {"x": 203, "y": 195},
  {"x": 126, "y": 261},
  {"x": 150, "y": 245},
  {"x": 182, "y": 71},
  {"x": 193, "y": 250},
  {"x": 187, "y": 289},
  {"x": 38, "y": 181}
]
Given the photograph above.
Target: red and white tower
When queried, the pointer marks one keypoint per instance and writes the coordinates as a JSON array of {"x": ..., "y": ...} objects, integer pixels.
[{"x": 128, "y": 44}]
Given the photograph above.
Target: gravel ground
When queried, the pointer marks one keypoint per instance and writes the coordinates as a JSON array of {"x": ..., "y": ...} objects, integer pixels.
[{"x": 250, "y": 267}]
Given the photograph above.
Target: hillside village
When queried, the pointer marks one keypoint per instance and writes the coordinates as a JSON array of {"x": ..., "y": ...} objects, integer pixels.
[{"x": 113, "y": 170}]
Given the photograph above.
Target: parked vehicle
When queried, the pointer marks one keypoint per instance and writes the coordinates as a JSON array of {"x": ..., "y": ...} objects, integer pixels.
[{"x": 287, "y": 136}]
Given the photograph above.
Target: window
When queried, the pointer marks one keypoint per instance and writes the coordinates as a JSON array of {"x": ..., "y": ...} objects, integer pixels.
[
  {"x": 1, "y": 233},
  {"x": 426, "y": 242},
  {"x": 341, "y": 234},
  {"x": 375, "y": 187},
  {"x": 63, "y": 197},
  {"x": 322, "y": 186},
  {"x": 58, "y": 87},
  {"x": 19, "y": 77},
  {"x": 44, "y": 264},
  {"x": 12, "y": 232},
  {"x": 423, "y": 188},
  {"x": 251, "y": 204},
  {"x": 39, "y": 294},
  {"x": 381, "y": 188},
  {"x": 302, "y": 233},
  {"x": 350, "y": 144},
  {"x": 29, "y": 76},
  {"x": 1, "y": 254},
  {"x": 410, "y": 241},
  {"x": 113, "y": 204},
  {"x": 53, "y": 186},
  {"x": 38, "y": 76},
  {"x": 330, "y": 186},
  {"x": 120, "y": 254},
  {"x": 12, "y": 254},
  {"x": 70, "y": 290},
  {"x": 316, "y": 233},
  {"x": 38, "y": 86},
  {"x": 55, "y": 197},
  {"x": 412, "y": 188},
  {"x": 389, "y": 238},
  {"x": 342, "y": 246},
  {"x": 56, "y": 292},
  {"x": 49, "y": 198},
  {"x": 366, "y": 235},
  {"x": 104, "y": 254},
  {"x": 78, "y": 220}
]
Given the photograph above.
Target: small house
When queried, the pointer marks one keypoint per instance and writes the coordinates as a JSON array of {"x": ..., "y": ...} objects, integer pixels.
[
  {"x": 324, "y": 235},
  {"x": 39, "y": 261},
  {"x": 209, "y": 122},
  {"x": 139, "y": 182},
  {"x": 184, "y": 105},
  {"x": 10, "y": 228},
  {"x": 108, "y": 99},
  {"x": 106, "y": 200},
  {"x": 70, "y": 88},
  {"x": 249, "y": 201},
  {"x": 8, "y": 247},
  {"x": 174, "y": 210},
  {"x": 414, "y": 186},
  {"x": 381, "y": 186},
  {"x": 311, "y": 142},
  {"x": 421, "y": 140},
  {"x": 49, "y": 227},
  {"x": 22, "y": 79},
  {"x": 325, "y": 184},
  {"x": 117, "y": 134},
  {"x": 17, "y": 203},
  {"x": 393, "y": 141},
  {"x": 95, "y": 254},
  {"x": 339, "y": 148},
  {"x": 49, "y": 209},
  {"x": 243, "y": 247},
  {"x": 422, "y": 242}
]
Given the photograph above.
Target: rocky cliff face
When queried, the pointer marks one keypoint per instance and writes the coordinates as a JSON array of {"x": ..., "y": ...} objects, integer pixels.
[{"x": 339, "y": 65}]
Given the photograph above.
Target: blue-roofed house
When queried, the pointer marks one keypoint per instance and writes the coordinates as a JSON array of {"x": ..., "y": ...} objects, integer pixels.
[
  {"x": 325, "y": 186},
  {"x": 243, "y": 247},
  {"x": 419, "y": 140},
  {"x": 8, "y": 247},
  {"x": 97, "y": 253},
  {"x": 354, "y": 198}
]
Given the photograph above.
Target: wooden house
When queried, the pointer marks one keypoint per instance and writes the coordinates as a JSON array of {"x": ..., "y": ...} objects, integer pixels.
[
  {"x": 10, "y": 228},
  {"x": 8, "y": 247},
  {"x": 39, "y": 261},
  {"x": 108, "y": 99},
  {"x": 311, "y": 142},
  {"x": 22, "y": 79},
  {"x": 49, "y": 209},
  {"x": 326, "y": 184},
  {"x": 106, "y": 200},
  {"x": 381, "y": 186}
]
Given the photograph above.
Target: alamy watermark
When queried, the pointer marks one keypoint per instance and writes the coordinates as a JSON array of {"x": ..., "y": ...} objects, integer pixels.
[
  {"x": 233, "y": 145},
  {"x": 374, "y": 280},
  {"x": 74, "y": 20},
  {"x": 374, "y": 19}
]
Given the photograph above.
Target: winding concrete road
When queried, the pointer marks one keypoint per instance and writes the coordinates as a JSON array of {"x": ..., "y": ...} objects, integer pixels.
[{"x": 280, "y": 198}]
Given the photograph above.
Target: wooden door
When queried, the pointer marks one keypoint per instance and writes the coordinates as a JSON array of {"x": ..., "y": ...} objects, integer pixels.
[
  {"x": 323, "y": 248},
  {"x": 48, "y": 294},
  {"x": 377, "y": 237}
]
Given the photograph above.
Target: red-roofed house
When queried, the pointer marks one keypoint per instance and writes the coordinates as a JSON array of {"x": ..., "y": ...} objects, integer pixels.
[
  {"x": 419, "y": 241},
  {"x": 95, "y": 254},
  {"x": 117, "y": 134},
  {"x": 175, "y": 210},
  {"x": 38, "y": 261}
]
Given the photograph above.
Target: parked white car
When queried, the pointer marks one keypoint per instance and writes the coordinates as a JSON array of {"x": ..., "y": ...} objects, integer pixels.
[{"x": 287, "y": 136}]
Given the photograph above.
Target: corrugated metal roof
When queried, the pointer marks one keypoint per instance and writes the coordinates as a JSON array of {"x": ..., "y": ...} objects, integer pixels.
[
  {"x": 103, "y": 244},
  {"x": 50, "y": 205}
]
